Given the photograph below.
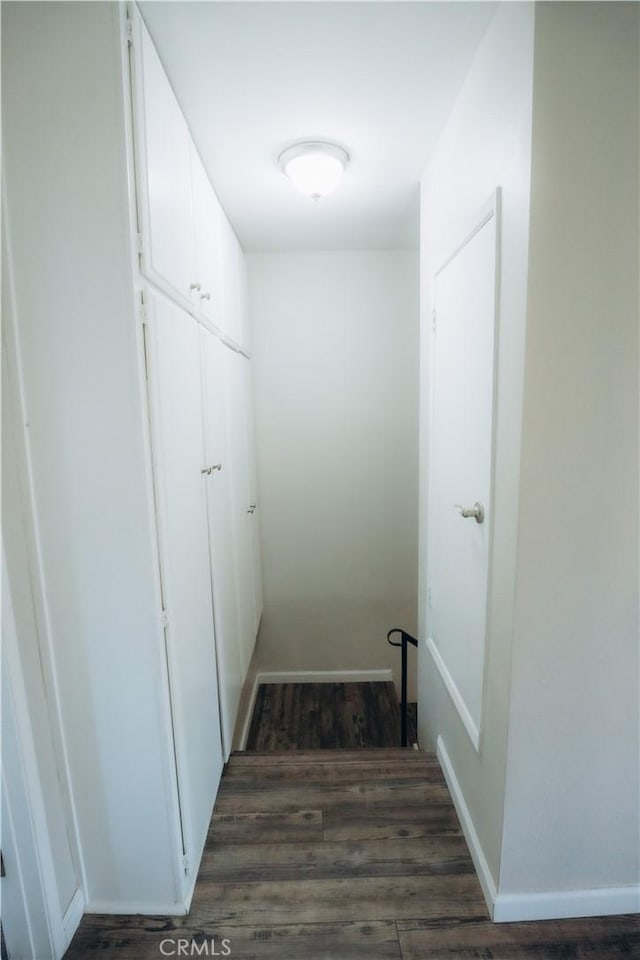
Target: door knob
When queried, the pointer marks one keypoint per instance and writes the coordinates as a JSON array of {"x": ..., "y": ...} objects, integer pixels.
[{"x": 476, "y": 511}]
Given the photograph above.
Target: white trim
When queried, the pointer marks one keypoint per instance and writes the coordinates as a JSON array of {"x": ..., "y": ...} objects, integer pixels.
[
  {"x": 151, "y": 908},
  {"x": 486, "y": 213},
  {"x": 249, "y": 715},
  {"x": 308, "y": 676},
  {"x": 454, "y": 693},
  {"x": 326, "y": 676},
  {"x": 473, "y": 842},
  {"x": 73, "y": 916},
  {"x": 39, "y": 587},
  {"x": 564, "y": 904},
  {"x": 38, "y": 832}
]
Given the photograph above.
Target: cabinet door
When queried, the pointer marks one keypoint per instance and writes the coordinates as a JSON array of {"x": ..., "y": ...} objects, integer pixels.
[
  {"x": 221, "y": 535},
  {"x": 243, "y": 301},
  {"x": 231, "y": 321},
  {"x": 250, "y": 438},
  {"x": 206, "y": 218},
  {"x": 164, "y": 176},
  {"x": 241, "y": 503},
  {"x": 173, "y": 353}
]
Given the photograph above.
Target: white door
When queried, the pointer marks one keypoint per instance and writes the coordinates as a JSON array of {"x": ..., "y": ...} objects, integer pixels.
[
  {"x": 230, "y": 259},
  {"x": 173, "y": 353},
  {"x": 241, "y": 503},
  {"x": 254, "y": 504},
  {"x": 221, "y": 536},
  {"x": 461, "y": 468},
  {"x": 163, "y": 144},
  {"x": 243, "y": 300}
]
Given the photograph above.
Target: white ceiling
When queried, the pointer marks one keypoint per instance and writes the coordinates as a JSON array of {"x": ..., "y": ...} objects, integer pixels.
[{"x": 377, "y": 77}]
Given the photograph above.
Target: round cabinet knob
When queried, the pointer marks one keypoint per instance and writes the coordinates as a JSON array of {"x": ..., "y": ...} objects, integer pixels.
[
  {"x": 195, "y": 286},
  {"x": 476, "y": 511},
  {"x": 205, "y": 296}
]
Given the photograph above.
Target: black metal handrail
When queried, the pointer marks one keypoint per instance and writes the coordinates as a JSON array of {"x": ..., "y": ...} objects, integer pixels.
[{"x": 405, "y": 638}]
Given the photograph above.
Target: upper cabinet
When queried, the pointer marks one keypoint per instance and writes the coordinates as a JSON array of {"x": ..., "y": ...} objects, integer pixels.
[
  {"x": 231, "y": 253},
  {"x": 188, "y": 247},
  {"x": 243, "y": 301},
  {"x": 207, "y": 286},
  {"x": 164, "y": 158}
]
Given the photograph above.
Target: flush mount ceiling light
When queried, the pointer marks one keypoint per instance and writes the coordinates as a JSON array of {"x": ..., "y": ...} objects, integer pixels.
[{"x": 314, "y": 167}]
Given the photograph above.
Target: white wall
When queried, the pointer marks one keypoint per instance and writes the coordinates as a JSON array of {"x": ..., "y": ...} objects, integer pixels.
[
  {"x": 335, "y": 347},
  {"x": 485, "y": 144},
  {"x": 69, "y": 239},
  {"x": 572, "y": 796}
]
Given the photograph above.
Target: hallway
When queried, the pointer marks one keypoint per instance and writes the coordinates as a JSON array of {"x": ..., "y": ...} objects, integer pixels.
[{"x": 336, "y": 856}]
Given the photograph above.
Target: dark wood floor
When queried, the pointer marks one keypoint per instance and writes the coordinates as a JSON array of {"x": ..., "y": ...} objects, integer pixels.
[
  {"x": 328, "y": 716},
  {"x": 345, "y": 855}
]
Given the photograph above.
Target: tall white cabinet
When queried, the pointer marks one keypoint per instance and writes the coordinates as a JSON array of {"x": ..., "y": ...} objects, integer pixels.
[{"x": 132, "y": 377}]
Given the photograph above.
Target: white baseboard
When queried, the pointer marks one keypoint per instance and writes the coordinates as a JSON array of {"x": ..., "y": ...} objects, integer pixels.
[
  {"x": 326, "y": 676},
  {"x": 554, "y": 905},
  {"x": 147, "y": 908},
  {"x": 560, "y": 905},
  {"x": 73, "y": 916},
  {"x": 308, "y": 676},
  {"x": 487, "y": 882}
]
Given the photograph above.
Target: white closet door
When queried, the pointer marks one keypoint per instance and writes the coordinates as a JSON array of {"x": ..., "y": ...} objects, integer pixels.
[
  {"x": 231, "y": 320},
  {"x": 163, "y": 146},
  {"x": 177, "y": 430},
  {"x": 206, "y": 216},
  {"x": 250, "y": 439},
  {"x": 241, "y": 503},
  {"x": 221, "y": 535},
  {"x": 243, "y": 301}
]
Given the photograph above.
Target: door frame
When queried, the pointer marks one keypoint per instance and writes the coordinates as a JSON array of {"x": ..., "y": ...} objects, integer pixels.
[
  {"x": 56, "y": 926},
  {"x": 61, "y": 922},
  {"x": 491, "y": 210}
]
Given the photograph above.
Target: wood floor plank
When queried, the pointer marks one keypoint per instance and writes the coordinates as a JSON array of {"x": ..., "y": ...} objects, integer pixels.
[
  {"x": 388, "y": 821},
  {"x": 316, "y": 716},
  {"x": 261, "y": 827},
  {"x": 140, "y": 938},
  {"x": 317, "y": 941},
  {"x": 327, "y": 796},
  {"x": 602, "y": 938},
  {"x": 253, "y": 757},
  {"x": 268, "y": 775},
  {"x": 322, "y": 861},
  {"x": 357, "y": 899}
]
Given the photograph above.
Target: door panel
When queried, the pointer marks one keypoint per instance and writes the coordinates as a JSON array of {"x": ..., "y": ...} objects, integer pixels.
[
  {"x": 163, "y": 138},
  {"x": 250, "y": 438},
  {"x": 177, "y": 431},
  {"x": 235, "y": 387},
  {"x": 231, "y": 320},
  {"x": 206, "y": 217},
  {"x": 461, "y": 469},
  {"x": 221, "y": 535}
]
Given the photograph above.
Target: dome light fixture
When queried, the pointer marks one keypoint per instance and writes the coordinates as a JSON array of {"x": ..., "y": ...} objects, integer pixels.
[{"x": 314, "y": 167}]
